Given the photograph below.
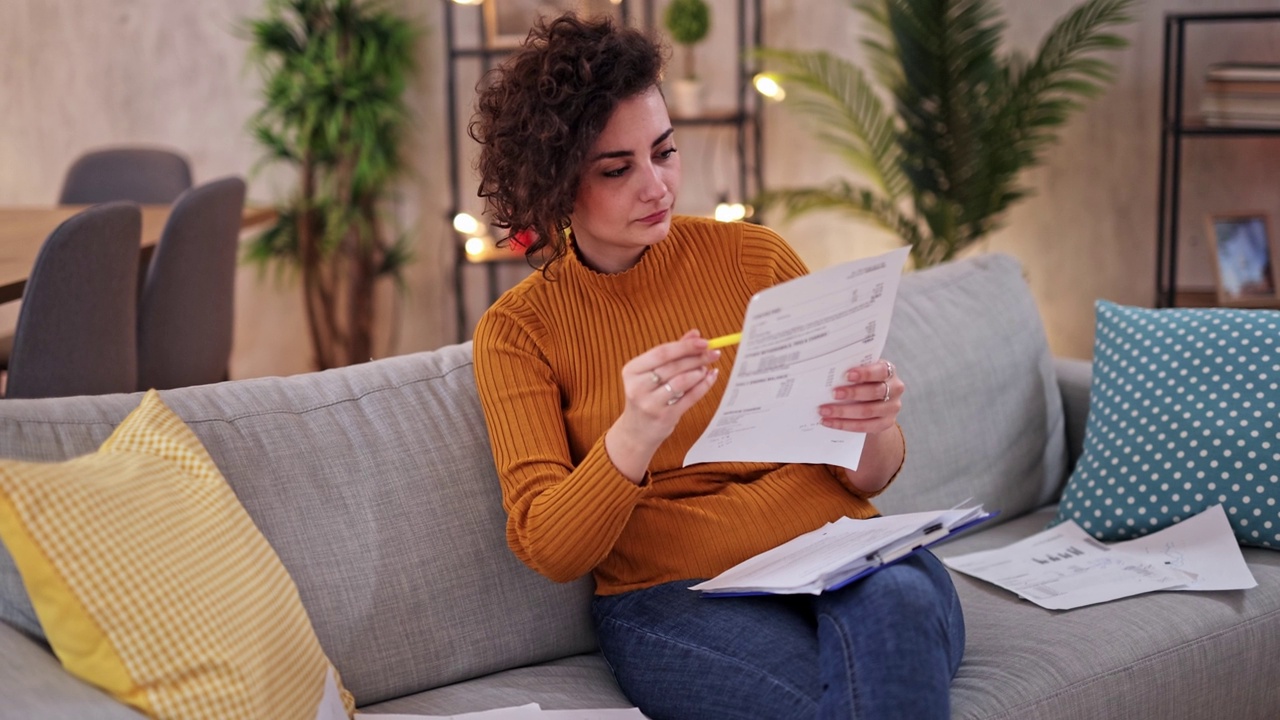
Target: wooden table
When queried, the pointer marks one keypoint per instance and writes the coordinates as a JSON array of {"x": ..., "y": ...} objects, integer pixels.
[{"x": 24, "y": 229}]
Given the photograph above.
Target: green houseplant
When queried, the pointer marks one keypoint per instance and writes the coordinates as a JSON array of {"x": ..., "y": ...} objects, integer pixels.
[
  {"x": 688, "y": 22},
  {"x": 941, "y": 168},
  {"x": 334, "y": 74}
]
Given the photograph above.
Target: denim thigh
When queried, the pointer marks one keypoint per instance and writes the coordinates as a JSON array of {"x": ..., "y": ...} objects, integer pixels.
[{"x": 679, "y": 655}]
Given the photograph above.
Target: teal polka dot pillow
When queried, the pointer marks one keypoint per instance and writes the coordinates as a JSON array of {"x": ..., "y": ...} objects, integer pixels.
[{"x": 1184, "y": 413}]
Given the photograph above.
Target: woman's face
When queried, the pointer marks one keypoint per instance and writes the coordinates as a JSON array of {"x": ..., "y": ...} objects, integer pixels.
[{"x": 628, "y": 186}]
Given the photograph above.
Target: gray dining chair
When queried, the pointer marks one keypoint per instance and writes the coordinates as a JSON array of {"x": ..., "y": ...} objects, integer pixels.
[
  {"x": 151, "y": 176},
  {"x": 77, "y": 328},
  {"x": 185, "y": 312}
]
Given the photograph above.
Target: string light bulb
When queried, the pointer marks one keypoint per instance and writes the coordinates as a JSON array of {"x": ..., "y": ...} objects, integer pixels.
[
  {"x": 466, "y": 223},
  {"x": 475, "y": 247},
  {"x": 767, "y": 85},
  {"x": 731, "y": 212},
  {"x": 468, "y": 2}
]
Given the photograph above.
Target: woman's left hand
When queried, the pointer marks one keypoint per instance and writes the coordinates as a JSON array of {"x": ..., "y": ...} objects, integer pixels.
[{"x": 869, "y": 403}]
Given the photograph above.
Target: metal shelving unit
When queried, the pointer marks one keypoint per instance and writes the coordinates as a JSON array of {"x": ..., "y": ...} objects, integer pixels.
[
  {"x": 1177, "y": 128},
  {"x": 743, "y": 120}
]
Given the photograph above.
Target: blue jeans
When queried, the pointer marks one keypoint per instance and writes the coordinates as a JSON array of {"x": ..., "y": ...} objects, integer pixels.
[{"x": 885, "y": 646}]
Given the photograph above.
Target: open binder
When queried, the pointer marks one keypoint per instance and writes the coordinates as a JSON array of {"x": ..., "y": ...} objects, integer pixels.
[{"x": 839, "y": 553}]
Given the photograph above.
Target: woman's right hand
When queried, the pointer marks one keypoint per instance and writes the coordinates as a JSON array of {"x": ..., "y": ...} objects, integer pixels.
[{"x": 660, "y": 384}]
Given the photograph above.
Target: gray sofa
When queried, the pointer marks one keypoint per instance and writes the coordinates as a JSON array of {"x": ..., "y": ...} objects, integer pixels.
[{"x": 375, "y": 486}]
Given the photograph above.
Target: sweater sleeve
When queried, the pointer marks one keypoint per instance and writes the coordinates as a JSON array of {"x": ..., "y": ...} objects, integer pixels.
[
  {"x": 767, "y": 259},
  {"x": 562, "y": 519}
]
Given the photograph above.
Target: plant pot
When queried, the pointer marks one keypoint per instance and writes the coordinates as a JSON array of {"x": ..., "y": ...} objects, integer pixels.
[{"x": 686, "y": 97}]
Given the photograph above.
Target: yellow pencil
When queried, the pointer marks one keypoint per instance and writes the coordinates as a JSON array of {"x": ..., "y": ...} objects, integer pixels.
[{"x": 724, "y": 341}]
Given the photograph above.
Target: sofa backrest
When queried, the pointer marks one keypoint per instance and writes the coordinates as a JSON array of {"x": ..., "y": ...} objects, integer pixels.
[
  {"x": 376, "y": 487},
  {"x": 982, "y": 414}
]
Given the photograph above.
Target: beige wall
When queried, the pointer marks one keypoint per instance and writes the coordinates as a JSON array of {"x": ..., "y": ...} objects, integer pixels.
[{"x": 81, "y": 73}]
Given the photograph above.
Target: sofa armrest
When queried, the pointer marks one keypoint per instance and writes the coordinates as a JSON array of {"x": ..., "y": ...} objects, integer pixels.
[
  {"x": 1074, "y": 378},
  {"x": 34, "y": 685}
]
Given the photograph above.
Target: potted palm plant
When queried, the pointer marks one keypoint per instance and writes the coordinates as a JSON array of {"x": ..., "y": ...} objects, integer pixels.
[
  {"x": 334, "y": 74},
  {"x": 688, "y": 22},
  {"x": 939, "y": 163}
]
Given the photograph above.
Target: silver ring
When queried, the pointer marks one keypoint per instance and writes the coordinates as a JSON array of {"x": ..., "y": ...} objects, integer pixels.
[
  {"x": 890, "y": 366},
  {"x": 670, "y": 389},
  {"x": 886, "y": 391},
  {"x": 675, "y": 399},
  {"x": 655, "y": 377}
]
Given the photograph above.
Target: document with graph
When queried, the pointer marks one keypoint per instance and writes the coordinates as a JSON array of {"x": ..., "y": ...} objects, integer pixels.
[
  {"x": 1064, "y": 567},
  {"x": 798, "y": 339}
]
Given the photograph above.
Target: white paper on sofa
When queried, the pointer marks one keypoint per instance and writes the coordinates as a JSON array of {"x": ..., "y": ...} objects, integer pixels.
[
  {"x": 1064, "y": 567},
  {"x": 798, "y": 338},
  {"x": 531, "y": 710}
]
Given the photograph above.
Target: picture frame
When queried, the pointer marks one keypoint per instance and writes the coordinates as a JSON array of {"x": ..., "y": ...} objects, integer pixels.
[
  {"x": 1244, "y": 258},
  {"x": 507, "y": 22}
]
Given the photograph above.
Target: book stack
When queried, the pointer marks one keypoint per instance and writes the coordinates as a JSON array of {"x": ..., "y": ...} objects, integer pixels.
[{"x": 1242, "y": 95}]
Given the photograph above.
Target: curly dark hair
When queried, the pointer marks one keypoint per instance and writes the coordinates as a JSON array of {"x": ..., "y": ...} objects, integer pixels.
[{"x": 542, "y": 110}]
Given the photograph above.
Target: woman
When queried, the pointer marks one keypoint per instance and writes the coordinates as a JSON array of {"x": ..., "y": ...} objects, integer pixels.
[{"x": 596, "y": 377}]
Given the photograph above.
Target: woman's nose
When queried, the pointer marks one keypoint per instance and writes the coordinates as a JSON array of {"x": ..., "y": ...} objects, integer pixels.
[{"x": 655, "y": 185}]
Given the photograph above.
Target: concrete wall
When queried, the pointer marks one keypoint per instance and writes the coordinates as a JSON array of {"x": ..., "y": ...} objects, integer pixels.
[{"x": 80, "y": 73}]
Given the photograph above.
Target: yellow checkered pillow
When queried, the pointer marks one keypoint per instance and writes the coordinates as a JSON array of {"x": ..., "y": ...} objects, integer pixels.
[{"x": 152, "y": 582}]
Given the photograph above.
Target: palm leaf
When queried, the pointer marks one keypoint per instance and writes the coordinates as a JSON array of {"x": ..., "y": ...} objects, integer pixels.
[
  {"x": 859, "y": 202},
  {"x": 1042, "y": 93},
  {"x": 965, "y": 121},
  {"x": 847, "y": 110}
]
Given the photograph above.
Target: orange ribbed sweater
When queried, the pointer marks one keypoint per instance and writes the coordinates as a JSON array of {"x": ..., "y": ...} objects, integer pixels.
[{"x": 548, "y": 360}]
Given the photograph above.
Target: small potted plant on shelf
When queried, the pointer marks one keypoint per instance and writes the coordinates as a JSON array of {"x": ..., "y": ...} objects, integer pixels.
[{"x": 688, "y": 21}]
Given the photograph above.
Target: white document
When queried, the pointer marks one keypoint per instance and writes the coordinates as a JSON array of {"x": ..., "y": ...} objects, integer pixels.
[
  {"x": 1064, "y": 567},
  {"x": 1203, "y": 546},
  {"x": 834, "y": 553},
  {"x": 532, "y": 710},
  {"x": 600, "y": 714},
  {"x": 798, "y": 339}
]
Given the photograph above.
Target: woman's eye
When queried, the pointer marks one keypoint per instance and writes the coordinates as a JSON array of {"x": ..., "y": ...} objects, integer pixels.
[
  {"x": 615, "y": 173},
  {"x": 667, "y": 153}
]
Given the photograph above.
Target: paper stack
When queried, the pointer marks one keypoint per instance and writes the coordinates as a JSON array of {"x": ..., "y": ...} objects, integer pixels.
[
  {"x": 1238, "y": 94},
  {"x": 838, "y": 553}
]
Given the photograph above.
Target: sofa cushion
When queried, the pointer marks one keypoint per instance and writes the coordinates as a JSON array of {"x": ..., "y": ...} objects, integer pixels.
[
  {"x": 1182, "y": 415},
  {"x": 376, "y": 487},
  {"x": 153, "y": 584},
  {"x": 581, "y": 682},
  {"x": 982, "y": 415},
  {"x": 1157, "y": 655}
]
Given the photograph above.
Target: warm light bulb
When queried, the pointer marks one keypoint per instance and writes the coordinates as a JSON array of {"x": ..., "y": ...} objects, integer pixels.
[
  {"x": 468, "y": 2},
  {"x": 730, "y": 212},
  {"x": 767, "y": 85},
  {"x": 475, "y": 246},
  {"x": 465, "y": 223}
]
